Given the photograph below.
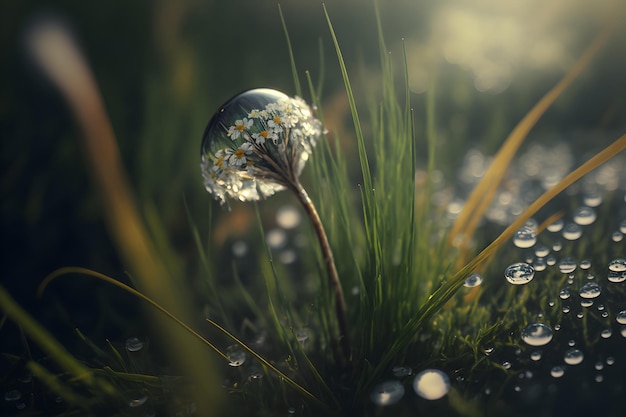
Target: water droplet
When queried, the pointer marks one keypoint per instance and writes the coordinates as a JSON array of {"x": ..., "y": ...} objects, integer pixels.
[
  {"x": 288, "y": 217},
  {"x": 610, "y": 360},
  {"x": 557, "y": 327},
  {"x": 557, "y": 371},
  {"x": 236, "y": 355},
  {"x": 239, "y": 248},
  {"x": 617, "y": 265},
  {"x": 599, "y": 366},
  {"x": 599, "y": 378},
  {"x": 584, "y": 216},
  {"x": 387, "y": 393},
  {"x": 606, "y": 333},
  {"x": 255, "y": 373},
  {"x": 616, "y": 276},
  {"x": 572, "y": 231},
  {"x": 302, "y": 336},
  {"x": 592, "y": 198},
  {"x": 565, "y": 293},
  {"x": 585, "y": 264},
  {"x": 431, "y": 384},
  {"x": 537, "y": 334},
  {"x": 276, "y": 238},
  {"x": 525, "y": 238},
  {"x": 556, "y": 226},
  {"x": 488, "y": 350},
  {"x": 586, "y": 302},
  {"x": 540, "y": 264},
  {"x": 557, "y": 246},
  {"x": 621, "y": 317},
  {"x": 249, "y": 137},
  {"x": 580, "y": 315},
  {"x": 571, "y": 343},
  {"x": 473, "y": 280},
  {"x": 401, "y": 371},
  {"x": 519, "y": 273},
  {"x": 506, "y": 365},
  {"x": 573, "y": 356},
  {"x": 617, "y": 237},
  {"x": 622, "y": 226},
  {"x": 590, "y": 290},
  {"x": 551, "y": 260},
  {"x": 535, "y": 356},
  {"x": 12, "y": 395},
  {"x": 138, "y": 399},
  {"x": 542, "y": 251},
  {"x": 567, "y": 265},
  {"x": 566, "y": 309},
  {"x": 622, "y": 331},
  {"x": 134, "y": 344}
]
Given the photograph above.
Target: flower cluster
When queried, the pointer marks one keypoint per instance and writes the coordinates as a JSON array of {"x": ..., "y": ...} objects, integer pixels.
[{"x": 257, "y": 144}]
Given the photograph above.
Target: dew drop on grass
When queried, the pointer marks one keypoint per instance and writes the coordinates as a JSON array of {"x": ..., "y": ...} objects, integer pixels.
[
  {"x": 542, "y": 251},
  {"x": 134, "y": 344},
  {"x": 540, "y": 264},
  {"x": 236, "y": 356},
  {"x": 572, "y": 231},
  {"x": 616, "y": 276},
  {"x": 590, "y": 290},
  {"x": 622, "y": 331},
  {"x": 567, "y": 265},
  {"x": 535, "y": 356},
  {"x": 519, "y": 273},
  {"x": 584, "y": 216},
  {"x": 610, "y": 360},
  {"x": 586, "y": 302},
  {"x": 557, "y": 246},
  {"x": 617, "y": 265},
  {"x": 599, "y": 366},
  {"x": 537, "y": 334},
  {"x": 621, "y": 317},
  {"x": 276, "y": 238},
  {"x": 525, "y": 238},
  {"x": 556, "y": 226},
  {"x": 13, "y": 395},
  {"x": 401, "y": 371},
  {"x": 431, "y": 384},
  {"x": 564, "y": 294},
  {"x": 473, "y": 280},
  {"x": 617, "y": 237},
  {"x": 302, "y": 336},
  {"x": 592, "y": 199},
  {"x": 622, "y": 226},
  {"x": 566, "y": 309},
  {"x": 387, "y": 393},
  {"x": 606, "y": 333},
  {"x": 138, "y": 400},
  {"x": 585, "y": 264},
  {"x": 557, "y": 371},
  {"x": 573, "y": 356}
]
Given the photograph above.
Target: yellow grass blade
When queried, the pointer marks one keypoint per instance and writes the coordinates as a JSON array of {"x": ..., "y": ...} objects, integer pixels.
[{"x": 481, "y": 197}]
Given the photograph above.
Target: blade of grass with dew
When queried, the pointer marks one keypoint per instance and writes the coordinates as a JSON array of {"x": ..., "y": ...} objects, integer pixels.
[
  {"x": 449, "y": 287},
  {"x": 51, "y": 346},
  {"x": 482, "y": 195}
]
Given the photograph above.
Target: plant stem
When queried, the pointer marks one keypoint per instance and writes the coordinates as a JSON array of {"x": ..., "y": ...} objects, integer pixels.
[{"x": 333, "y": 277}]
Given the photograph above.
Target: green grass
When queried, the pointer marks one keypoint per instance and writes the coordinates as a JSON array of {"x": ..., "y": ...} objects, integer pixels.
[{"x": 401, "y": 272}]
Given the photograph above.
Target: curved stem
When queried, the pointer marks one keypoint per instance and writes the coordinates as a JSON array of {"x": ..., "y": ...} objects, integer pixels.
[{"x": 333, "y": 277}]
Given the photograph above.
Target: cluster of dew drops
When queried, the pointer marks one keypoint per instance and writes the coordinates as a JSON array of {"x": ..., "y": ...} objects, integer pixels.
[{"x": 585, "y": 285}]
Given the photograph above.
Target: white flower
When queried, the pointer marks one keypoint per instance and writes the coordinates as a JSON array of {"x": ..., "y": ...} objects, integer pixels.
[
  {"x": 238, "y": 156},
  {"x": 239, "y": 128}
]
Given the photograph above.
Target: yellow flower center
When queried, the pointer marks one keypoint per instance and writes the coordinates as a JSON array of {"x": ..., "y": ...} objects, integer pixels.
[
  {"x": 239, "y": 153},
  {"x": 239, "y": 127},
  {"x": 220, "y": 161},
  {"x": 264, "y": 133},
  {"x": 277, "y": 120}
]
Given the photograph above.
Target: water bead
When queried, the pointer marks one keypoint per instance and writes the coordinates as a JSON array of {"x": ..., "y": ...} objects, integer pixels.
[
  {"x": 255, "y": 143},
  {"x": 599, "y": 366},
  {"x": 573, "y": 356},
  {"x": 606, "y": 333},
  {"x": 537, "y": 334},
  {"x": 617, "y": 237},
  {"x": 535, "y": 356},
  {"x": 621, "y": 317},
  {"x": 614, "y": 276},
  {"x": 586, "y": 302},
  {"x": 302, "y": 336},
  {"x": 564, "y": 294},
  {"x": 572, "y": 231},
  {"x": 473, "y": 280},
  {"x": 236, "y": 356},
  {"x": 557, "y": 371},
  {"x": 542, "y": 251},
  {"x": 585, "y": 264},
  {"x": 567, "y": 265},
  {"x": 401, "y": 371},
  {"x": 590, "y": 290},
  {"x": 571, "y": 343},
  {"x": 592, "y": 199},
  {"x": 531, "y": 224},
  {"x": 540, "y": 264},
  {"x": 584, "y": 216},
  {"x": 12, "y": 395},
  {"x": 622, "y": 331},
  {"x": 387, "y": 393},
  {"x": 557, "y": 246},
  {"x": 610, "y": 360},
  {"x": 622, "y": 226},
  {"x": 431, "y": 384},
  {"x": 519, "y": 273},
  {"x": 617, "y": 265},
  {"x": 556, "y": 226},
  {"x": 134, "y": 344},
  {"x": 525, "y": 238}
]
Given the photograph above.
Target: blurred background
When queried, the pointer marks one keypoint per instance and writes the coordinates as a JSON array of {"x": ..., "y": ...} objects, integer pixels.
[{"x": 163, "y": 68}]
